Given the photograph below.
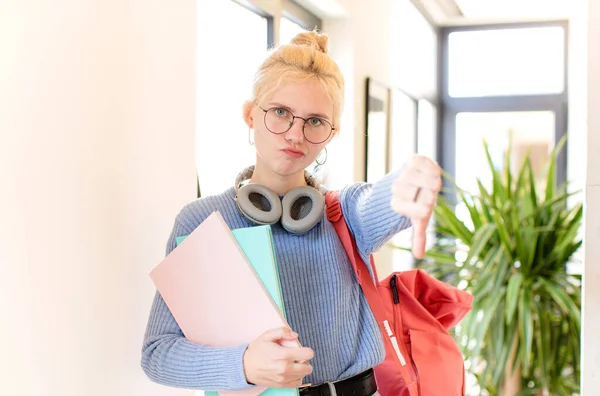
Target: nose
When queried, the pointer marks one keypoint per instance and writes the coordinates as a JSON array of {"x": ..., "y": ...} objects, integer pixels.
[{"x": 295, "y": 133}]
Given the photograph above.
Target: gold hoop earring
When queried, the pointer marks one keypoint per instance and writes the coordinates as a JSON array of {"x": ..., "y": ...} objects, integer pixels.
[{"x": 321, "y": 163}]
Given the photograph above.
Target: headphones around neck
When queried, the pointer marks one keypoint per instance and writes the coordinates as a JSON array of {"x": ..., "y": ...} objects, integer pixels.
[{"x": 299, "y": 210}]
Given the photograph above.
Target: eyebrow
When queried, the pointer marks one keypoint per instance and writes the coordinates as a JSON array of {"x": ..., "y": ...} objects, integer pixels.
[{"x": 277, "y": 104}]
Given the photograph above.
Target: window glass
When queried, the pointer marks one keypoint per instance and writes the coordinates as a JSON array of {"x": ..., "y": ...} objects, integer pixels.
[
  {"x": 524, "y": 61},
  {"x": 532, "y": 132},
  {"x": 288, "y": 29},
  {"x": 427, "y": 129},
  {"x": 226, "y": 67}
]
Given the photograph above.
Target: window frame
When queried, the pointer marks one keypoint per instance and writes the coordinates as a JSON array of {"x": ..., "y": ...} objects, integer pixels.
[
  {"x": 450, "y": 106},
  {"x": 255, "y": 8},
  {"x": 289, "y": 10},
  {"x": 300, "y": 15}
]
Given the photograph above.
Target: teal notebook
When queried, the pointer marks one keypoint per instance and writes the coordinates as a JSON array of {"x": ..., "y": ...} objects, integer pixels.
[{"x": 257, "y": 244}]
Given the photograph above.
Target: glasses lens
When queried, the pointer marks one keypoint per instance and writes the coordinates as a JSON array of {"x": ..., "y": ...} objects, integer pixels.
[
  {"x": 278, "y": 120},
  {"x": 317, "y": 130}
]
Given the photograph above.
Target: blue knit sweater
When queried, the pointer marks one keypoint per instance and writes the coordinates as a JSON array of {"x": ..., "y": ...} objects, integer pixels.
[{"x": 324, "y": 303}]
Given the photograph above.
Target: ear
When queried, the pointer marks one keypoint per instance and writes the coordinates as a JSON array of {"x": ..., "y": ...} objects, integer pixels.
[{"x": 247, "y": 113}]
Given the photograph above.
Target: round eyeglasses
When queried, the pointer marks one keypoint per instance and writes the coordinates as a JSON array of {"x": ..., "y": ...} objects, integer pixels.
[{"x": 279, "y": 120}]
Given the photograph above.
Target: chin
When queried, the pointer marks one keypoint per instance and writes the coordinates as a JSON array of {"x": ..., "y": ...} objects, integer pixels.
[{"x": 286, "y": 168}]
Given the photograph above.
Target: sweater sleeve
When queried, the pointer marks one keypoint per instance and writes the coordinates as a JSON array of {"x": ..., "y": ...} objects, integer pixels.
[
  {"x": 168, "y": 358},
  {"x": 369, "y": 214}
]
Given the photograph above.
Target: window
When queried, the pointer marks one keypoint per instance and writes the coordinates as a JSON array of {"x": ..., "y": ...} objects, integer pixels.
[
  {"x": 414, "y": 57},
  {"x": 427, "y": 129},
  {"x": 531, "y": 130},
  {"x": 403, "y": 128},
  {"x": 497, "y": 78},
  {"x": 224, "y": 82},
  {"x": 506, "y": 61},
  {"x": 288, "y": 29}
]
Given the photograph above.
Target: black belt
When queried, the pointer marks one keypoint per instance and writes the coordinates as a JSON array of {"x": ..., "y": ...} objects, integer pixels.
[{"x": 362, "y": 384}]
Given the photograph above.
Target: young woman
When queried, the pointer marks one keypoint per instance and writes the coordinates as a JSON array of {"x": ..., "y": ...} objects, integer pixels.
[{"x": 293, "y": 114}]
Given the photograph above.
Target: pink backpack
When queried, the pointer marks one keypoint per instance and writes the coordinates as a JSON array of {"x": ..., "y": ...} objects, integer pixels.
[{"x": 414, "y": 312}]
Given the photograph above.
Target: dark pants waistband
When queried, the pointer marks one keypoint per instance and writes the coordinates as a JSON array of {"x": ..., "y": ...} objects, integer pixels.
[{"x": 362, "y": 384}]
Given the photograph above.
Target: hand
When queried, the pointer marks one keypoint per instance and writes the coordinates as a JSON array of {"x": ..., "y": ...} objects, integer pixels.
[
  {"x": 268, "y": 364},
  {"x": 414, "y": 195}
]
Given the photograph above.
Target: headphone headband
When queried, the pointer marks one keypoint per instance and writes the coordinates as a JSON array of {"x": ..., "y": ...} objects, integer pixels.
[{"x": 247, "y": 173}]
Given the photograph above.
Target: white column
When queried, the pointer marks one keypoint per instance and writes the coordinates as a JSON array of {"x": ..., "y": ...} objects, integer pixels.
[
  {"x": 96, "y": 158},
  {"x": 591, "y": 287}
]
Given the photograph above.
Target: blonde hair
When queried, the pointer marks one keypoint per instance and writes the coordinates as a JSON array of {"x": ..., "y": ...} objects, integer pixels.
[{"x": 305, "y": 57}]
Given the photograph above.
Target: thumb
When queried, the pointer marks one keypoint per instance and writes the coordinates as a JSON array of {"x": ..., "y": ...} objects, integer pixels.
[
  {"x": 281, "y": 333},
  {"x": 419, "y": 238}
]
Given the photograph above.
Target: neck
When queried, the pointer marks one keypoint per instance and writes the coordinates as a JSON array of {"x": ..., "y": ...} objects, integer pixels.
[{"x": 278, "y": 183}]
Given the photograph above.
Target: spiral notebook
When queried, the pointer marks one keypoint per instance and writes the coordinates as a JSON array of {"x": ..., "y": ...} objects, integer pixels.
[{"x": 234, "y": 303}]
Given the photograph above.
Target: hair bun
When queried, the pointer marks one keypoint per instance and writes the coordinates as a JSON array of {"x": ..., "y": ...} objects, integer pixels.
[{"x": 319, "y": 42}]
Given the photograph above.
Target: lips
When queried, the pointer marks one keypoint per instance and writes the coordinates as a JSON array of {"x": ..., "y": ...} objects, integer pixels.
[{"x": 293, "y": 152}]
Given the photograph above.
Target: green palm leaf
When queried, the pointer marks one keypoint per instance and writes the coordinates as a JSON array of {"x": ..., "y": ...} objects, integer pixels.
[{"x": 512, "y": 256}]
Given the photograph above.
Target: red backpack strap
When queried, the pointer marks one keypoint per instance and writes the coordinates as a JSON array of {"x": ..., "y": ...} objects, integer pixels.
[{"x": 393, "y": 342}]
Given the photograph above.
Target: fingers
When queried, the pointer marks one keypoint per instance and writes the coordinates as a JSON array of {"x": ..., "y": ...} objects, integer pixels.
[
  {"x": 428, "y": 181},
  {"x": 292, "y": 371},
  {"x": 424, "y": 164},
  {"x": 297, "y": 354},
  {"x": 424, "y": 172},
  {"x": 419, "y": 238},
  {"x": 292, "y": 384},
  {"x": 425, "y": 197},
  {"x": 281, "y": 333},
  {"x": 412, "y": 193},
  {"x": 415, "y": 186},
  {"x": 268, "y": 363},
  {"x": 412, "y": 210},
  {"x": 420, "y": 183},
  {"x": 289, "y": 373}
]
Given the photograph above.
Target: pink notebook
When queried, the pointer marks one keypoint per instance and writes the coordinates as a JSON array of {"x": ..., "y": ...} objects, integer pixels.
[{"x": 214, "y": 293}]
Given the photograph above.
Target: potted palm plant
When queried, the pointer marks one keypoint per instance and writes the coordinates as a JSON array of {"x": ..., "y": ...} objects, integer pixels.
[{"x": 511, "y": 251}]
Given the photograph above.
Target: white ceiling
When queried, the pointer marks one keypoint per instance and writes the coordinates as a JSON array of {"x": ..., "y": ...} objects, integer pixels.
[
  {"x": 516, "y": 8},
  {"x": 463, "y": 12},
  {"x": 324, "y": 8},
  {"x": 452, "y": 12}
]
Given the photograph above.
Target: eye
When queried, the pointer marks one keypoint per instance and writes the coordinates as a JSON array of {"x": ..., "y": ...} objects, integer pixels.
[
  {"x": 281, "y": 112},
  {"x": 315, "y": 121}
]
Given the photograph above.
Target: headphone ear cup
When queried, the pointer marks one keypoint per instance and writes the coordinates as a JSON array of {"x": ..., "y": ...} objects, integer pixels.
[
  {"x": 302, "y": 208},
  {"x": 259, "y": 204}
]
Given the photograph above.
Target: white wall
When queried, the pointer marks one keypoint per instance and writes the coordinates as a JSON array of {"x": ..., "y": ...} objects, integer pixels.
[
  {"x": 591, "y": 292},
  {"x": 96, "y": 157}
]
